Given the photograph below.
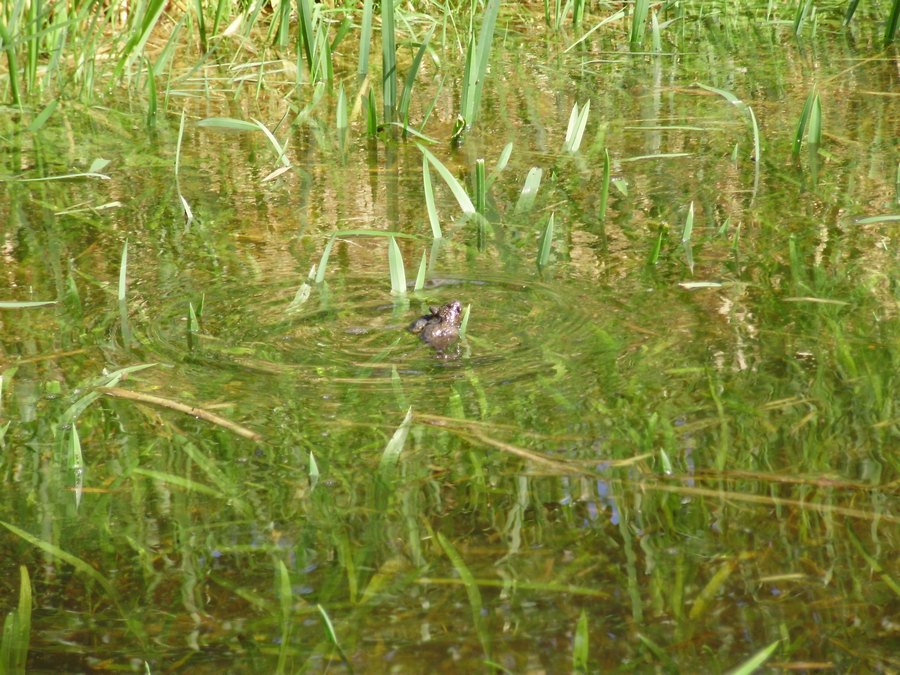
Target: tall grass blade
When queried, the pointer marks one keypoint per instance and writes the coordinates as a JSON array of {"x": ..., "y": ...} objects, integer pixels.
[
  {"x": 436, "y": 232},
  {"x": 389, "y": 61},
  {"x": 580, "y": 649},
  {"x": 285, "y": 602},
  {"x": 477, "y": 59},
  {"x": 151, "y": 95},
  {"x": 638, "y": 24},
  {"x": 410, "y": 79},
  {"x": 686, "y": 238},
  {"x": 76, "y": 459},
  {"x": 134, "y": 48},
  {"x": 800, "y": 130},
  {"x": 365, "y": 39},
  {"x": 575, "y": 130},
  {"x": 755, "y": 662},
  {"x": 480, "y": 187},
  {"x": 465, "y": 203},
  {"x": 38, "y": 122},
  {"x": 502, "y": 161},
  {"x": 814, "y": 130},
  {"x": 604, "y": 185},
  {"x": 10, "y": 48},
  {"x": 890, "y": 30},
  {"x": 329, "y": 627},
  {"x": 17, "y": 630},
  {"x": 391, "y": 454},
  {"x": 371, "y": 115},
  {"x": 184, "y": 202},
  {"x": 464, "y": 323},
  {"x": 395, "y": 264},
  {"x": 546, "y": 243},
  {"x": 323, "y": 261},
  {"x": 123, "y": 273},
  {"x": 472, "y": 591},
  {"x": 420, "y": 276},
  {"x": 529, "y": 190},
  {"x": 306, "y": 35},
  {"x": 66, "y": 557}
]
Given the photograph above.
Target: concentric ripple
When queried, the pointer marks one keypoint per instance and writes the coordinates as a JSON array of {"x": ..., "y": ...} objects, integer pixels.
[{"x": 353, "y": 331}]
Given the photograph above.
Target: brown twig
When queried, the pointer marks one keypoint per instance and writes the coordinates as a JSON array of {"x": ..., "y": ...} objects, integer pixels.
[{"x": 181, "y": 407}]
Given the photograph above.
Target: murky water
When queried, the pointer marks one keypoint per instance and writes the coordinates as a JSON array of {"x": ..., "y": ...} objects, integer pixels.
[{"x": 698, "y": 463}]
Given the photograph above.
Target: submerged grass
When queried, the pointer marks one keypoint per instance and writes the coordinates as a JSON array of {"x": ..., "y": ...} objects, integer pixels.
[{"x": 606, "y": 398}]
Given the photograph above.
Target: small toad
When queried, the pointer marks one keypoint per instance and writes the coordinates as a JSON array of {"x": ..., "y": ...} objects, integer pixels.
[{"x": 439, "y": 328}]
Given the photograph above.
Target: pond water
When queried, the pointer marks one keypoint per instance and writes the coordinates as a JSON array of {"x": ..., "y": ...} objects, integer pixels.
[{"x": 674, "y": 448}]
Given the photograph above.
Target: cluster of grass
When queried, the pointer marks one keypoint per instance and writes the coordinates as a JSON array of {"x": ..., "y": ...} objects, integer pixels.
[{"x": 198, "y": 463}]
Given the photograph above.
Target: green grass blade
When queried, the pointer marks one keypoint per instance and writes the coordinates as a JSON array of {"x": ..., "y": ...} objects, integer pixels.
[
  {"x": 688, "y": 225},
  {"x": 814, "y": 129},
  {"x": 279, "y": 149},
  {"x": 890, "y": 30},
  {"x": 329, "y": 627},
  {"x": 465, "y": 203},
  {"x": 581, "y": 645},
  {"x": 371, "y": 115},
  {"x": 323, "y": 261},
  {"x": 420, "y": 277},
  {"x": 305, "y": 35},
  {"x": 389, "y": 61},
  {"x": 546, "y": 243},
  {"x": 365, "y": 39},
  {"x": 228, "y": 123},
  {"x": 123, "y": 273},
  {"x": 38, "y": 122},
  {"x": 429, "y": 200},
  {"x": 12, "y": 304},
  {"x": 638, "y": 24},
  {"x": 575, "y": 129},
  {"x": 151, "y": 95},
  {"x": 285, "y": 603},
  {"x": 391, "y": 454},
  {"x": 604, "y": 185},
  {"x": 800, "y": 130},
  {"x": 66, "y": 557},
  {"x": 480, "y": 187},
  {"x": 485, "y": 41},
  {"x": 395, "y": 264},
  {"x": 464, "y": 323},
  {"x": 501, "y": 164},
  {"x": 76, "y": 459},
  {"x": 755, "y": 662},
  {"x": 134, "y": 48},
  {"x": 10, "y": 48},
  {"x": 410, "y": 79},
  {"x": 472, "y": 591},
  {"x": 529, "y": 190}
]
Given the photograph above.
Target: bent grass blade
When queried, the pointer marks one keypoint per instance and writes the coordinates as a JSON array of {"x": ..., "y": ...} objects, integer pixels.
[{"x": 462, "y": 198}]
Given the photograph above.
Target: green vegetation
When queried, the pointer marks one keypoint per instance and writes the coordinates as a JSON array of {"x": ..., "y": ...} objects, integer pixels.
[{"x": 665, "y": 440}]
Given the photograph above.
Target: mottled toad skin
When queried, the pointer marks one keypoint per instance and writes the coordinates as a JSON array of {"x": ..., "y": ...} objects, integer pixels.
[{"x": 441, "y": 327}]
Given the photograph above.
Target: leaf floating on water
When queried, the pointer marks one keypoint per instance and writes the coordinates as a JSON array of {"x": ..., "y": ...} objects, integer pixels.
[{"x": 11, "y": 304}]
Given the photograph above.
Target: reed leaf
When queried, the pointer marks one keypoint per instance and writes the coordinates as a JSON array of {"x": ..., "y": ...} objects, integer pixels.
[
  {"x": 529, "y": 190},
  {"x": 389, "y": 61},
  {"x": 436, "y": 232},
  {"x": 755, "y": 662},
  {"x": 580, "y": 648},
  {"x": 638, "y": 24},
  {"x": 604, "y": 185},
  {"x": 410, "y": 79},
  {"x": 465, "y": 203},
  {"x": 395, "y": 265},
  {"x": 575, "y": 130},
  {"x": 546, "y": 243},
  {"x": 365, "y": 39},
  {"x": 420, "y": 276}
]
